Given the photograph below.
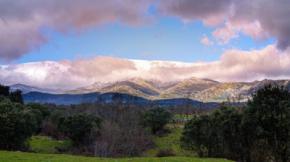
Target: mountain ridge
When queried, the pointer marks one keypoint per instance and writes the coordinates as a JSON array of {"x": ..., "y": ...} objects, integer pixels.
[{"x": 203, "y": 90}]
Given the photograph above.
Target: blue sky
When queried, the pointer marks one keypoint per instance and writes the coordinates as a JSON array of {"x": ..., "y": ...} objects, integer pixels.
[{"x": 164, "y": 39}]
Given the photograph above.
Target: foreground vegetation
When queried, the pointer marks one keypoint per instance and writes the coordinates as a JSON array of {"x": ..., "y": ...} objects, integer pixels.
[{"x": 6, "y": 156}]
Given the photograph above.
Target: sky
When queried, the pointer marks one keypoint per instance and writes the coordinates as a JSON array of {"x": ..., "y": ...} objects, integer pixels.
[{"x": 73, "y": 43}]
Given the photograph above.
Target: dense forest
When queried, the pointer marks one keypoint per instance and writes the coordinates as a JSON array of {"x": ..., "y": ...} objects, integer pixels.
[{"x": 256, "y": 132}]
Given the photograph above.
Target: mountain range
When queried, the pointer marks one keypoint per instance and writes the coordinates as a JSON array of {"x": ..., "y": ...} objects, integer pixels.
[
  {"x": 195, "y": 89},
  {"x": 204, "y": 90}
]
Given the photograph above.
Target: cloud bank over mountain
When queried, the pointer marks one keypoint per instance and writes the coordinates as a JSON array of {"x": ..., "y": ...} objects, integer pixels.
[{"x": 234, "y": 65}]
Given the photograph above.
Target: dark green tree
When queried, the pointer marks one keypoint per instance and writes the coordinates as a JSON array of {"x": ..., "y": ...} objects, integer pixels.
[
  {"x": 215, "y": 135},
  {"x": 267, "y": 117},
  {"x": 195, "y": 135},
  {"x": 82, "y": 129},
  {"x": 156, "y": 119},
  {"x": 17, "y": 124},
  {"x": 229, "y": 127}
]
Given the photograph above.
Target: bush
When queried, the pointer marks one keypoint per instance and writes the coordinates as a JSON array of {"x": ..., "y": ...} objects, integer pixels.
[{"x": 165, "y": 153}]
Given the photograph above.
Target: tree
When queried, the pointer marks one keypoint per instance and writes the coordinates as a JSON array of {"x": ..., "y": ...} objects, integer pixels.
[
  {"x": 229, "y": 120},
  {"x": 17, "y": 124},
  {"x": 16, "y": 96},
  {"x": 82, "y": 129},
  {"x": 195, "y": 135},
  {"x": 268, "y": 112},
  {"x": 214, "y": 135},
  {"x": 156, "y": 119}
]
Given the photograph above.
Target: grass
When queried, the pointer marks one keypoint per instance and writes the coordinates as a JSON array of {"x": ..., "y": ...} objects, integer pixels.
[
  {"x": 6, "y": 156},
  {"x": 44, "y": 144},
  {"x": 170, "y": 141}
]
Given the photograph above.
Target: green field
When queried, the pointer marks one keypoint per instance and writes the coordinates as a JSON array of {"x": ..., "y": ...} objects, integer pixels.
[{"x": 6, "y": 156}]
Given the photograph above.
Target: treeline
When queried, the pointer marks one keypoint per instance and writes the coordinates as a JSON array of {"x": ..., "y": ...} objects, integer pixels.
[{"x": 259, "y": 132}]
